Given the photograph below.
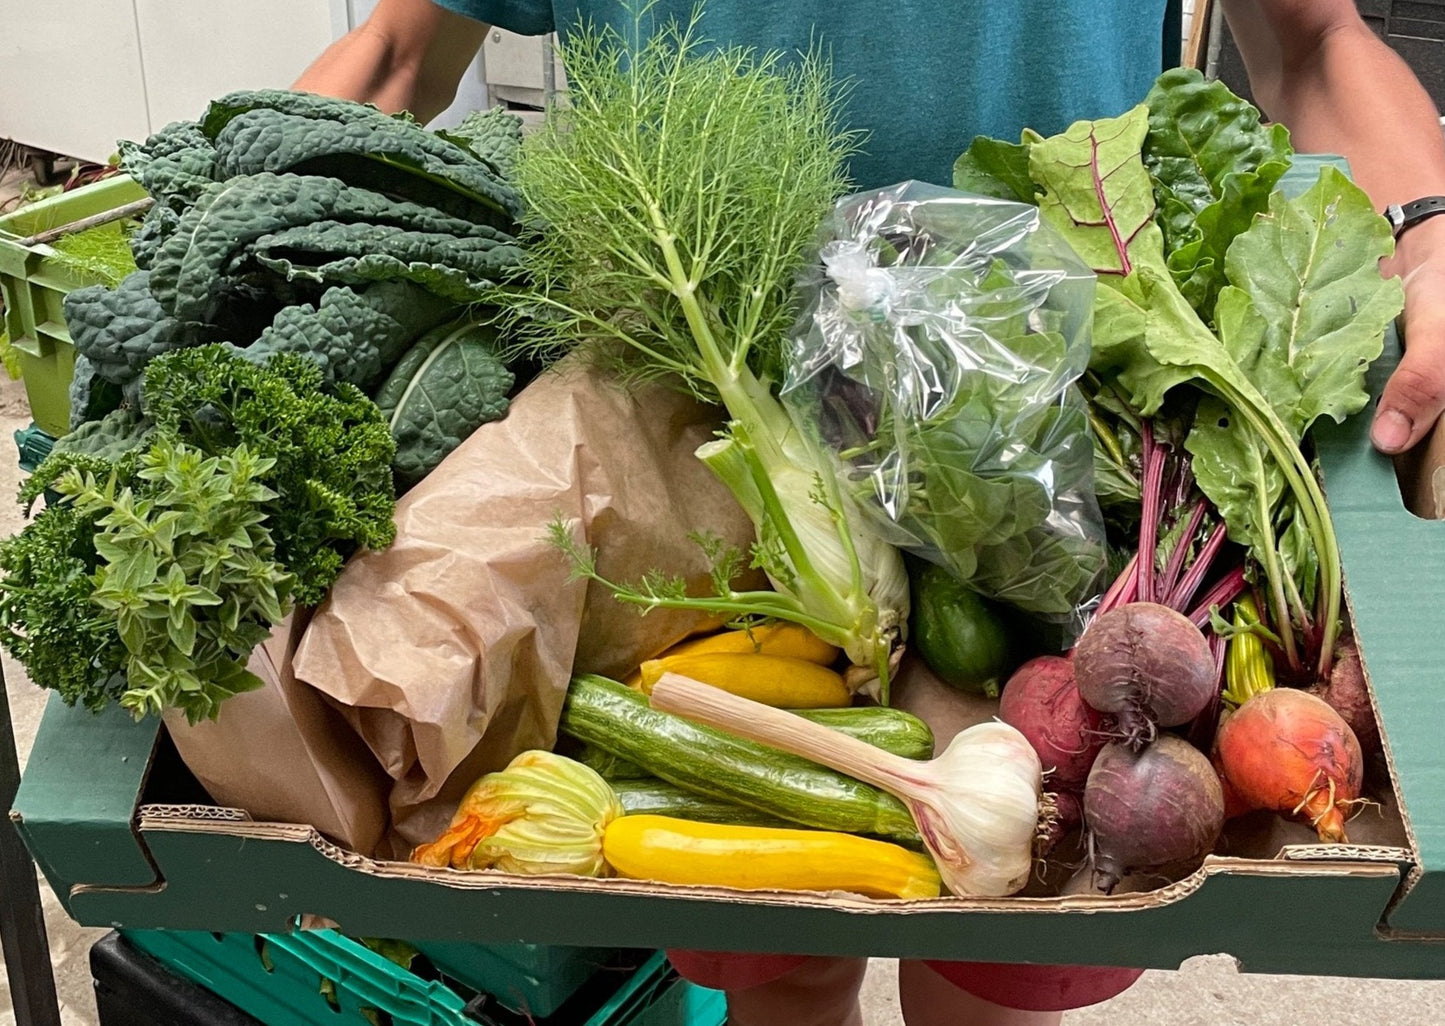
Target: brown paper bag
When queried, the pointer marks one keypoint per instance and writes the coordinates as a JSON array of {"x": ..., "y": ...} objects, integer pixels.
[
  {"x": 285, "y": 753},
  {"x": 451, "y": 650}
]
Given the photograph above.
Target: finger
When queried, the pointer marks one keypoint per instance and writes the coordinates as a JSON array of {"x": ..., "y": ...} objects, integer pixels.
[{"x": 1414, "y": 397}]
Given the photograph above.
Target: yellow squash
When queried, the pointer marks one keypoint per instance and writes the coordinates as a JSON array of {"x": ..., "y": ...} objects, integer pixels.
[
  {"x": 679, "y": 851},
  {"x": 779, "y": 638},
  {"x": 778, "y": 681}
]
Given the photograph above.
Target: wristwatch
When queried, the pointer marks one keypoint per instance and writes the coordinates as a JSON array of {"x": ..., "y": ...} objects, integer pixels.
[{"x": 1405, "y": 215}]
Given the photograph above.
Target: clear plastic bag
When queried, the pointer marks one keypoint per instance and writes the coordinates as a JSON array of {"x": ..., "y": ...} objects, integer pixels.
[{"x": 939, "y": 339}]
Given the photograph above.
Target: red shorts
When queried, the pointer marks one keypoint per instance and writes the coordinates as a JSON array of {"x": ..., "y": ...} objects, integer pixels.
[{"x": 1030, "y": 988}]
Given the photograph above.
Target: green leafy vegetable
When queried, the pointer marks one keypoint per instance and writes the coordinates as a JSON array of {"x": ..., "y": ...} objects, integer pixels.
[
  {"x": 64, "y": 641},
  {"x": 445, "y": 387},
  {"x": 337, "y": 253},
  {"x": 993, "y": 167},
  {"x": 352, "y": 336},
  {"x": 118, "y": 331},
  {"x": 267, "y": 139},
  {"x": 1149, "y": 338},
  {"x": 1214, "y": 166}
]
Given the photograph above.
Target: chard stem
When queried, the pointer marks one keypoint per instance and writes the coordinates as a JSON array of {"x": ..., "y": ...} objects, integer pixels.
[{"x": 1301, "y": 478}]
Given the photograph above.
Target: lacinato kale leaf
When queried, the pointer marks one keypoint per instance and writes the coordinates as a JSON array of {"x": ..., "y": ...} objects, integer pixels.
[
  {"x": 117, "y": 332},
  {"x": 233, "y": 214},
  {"x": 339, "y": 253},
  {"x": 266, "y": 139},
  {"x": 353, "y": 336},
  {"x": 445, "y": 387}
]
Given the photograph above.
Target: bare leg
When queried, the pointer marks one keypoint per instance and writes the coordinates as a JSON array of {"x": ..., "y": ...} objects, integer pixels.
[
  {"x": 930, "y": 1000},
  {"x": 822, "y": 992}
]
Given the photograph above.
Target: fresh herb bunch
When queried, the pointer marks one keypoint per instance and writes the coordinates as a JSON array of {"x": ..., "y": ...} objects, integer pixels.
[
  {"x": 672, "y": 201},
  {"x": 181, "y": 541},
  {"x": 187, "y": 573},
  {"x": 329, "y": 450},
  {"x": 65, "y": 642}
]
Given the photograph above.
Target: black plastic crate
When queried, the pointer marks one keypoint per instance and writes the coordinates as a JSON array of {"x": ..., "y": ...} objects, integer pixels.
[{"x": 133, "y": 989}]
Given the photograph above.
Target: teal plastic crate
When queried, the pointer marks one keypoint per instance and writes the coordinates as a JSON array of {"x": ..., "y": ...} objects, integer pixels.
[
  {"x": 322, "y": 977},
  {"x": 535, "y": 978},
  {"x": 34, "y": 445},
  {"x": 33, "y": 284}
]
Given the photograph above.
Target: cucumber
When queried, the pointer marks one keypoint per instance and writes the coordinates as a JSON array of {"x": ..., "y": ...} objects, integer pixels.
[
  {"x": 719, "y": 765},
  {"x": 659, "y": 798},
  {"x": 892, "y": 730}
]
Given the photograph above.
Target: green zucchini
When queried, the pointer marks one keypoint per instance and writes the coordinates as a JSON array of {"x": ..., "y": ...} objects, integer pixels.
[
  {"x": 659, "y": 798},
  {"x": 608, "y": 766},
  {"x": 720, "y": 765},
  {"x": 892, "y": 730}
]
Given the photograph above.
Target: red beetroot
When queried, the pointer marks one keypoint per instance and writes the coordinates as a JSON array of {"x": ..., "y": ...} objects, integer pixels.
[
  {"x": 1148, "y": 667},
  {"x": 1042, "y": 703},
  {"x": 1349, "y": 695},
  {"x": 1148, "y": 810},
  {"x": 1287, "y": 751}
]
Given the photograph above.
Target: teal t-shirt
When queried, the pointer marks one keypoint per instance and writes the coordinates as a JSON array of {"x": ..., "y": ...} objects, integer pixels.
[{"x": 926, "y": 75}]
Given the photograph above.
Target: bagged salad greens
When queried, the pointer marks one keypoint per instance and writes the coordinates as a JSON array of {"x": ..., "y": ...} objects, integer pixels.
[{"x": 940, "y": 336}]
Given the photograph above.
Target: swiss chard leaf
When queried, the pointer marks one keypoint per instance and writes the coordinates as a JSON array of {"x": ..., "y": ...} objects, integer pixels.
[
  {"x": 1096, "y": 192},
  {"x": 1214, "y": 166},
  {"x": 1233, "y": 469},
  {"x": 993, "y": 167},
  {"x": 1307, "y": 309}
]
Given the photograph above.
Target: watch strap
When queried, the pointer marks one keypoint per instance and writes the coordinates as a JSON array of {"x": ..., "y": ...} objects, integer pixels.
[{"x": 1404, "y": 215}]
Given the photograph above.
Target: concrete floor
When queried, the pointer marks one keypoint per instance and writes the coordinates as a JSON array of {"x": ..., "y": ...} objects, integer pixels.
[{"x": 1203, "y": 992}]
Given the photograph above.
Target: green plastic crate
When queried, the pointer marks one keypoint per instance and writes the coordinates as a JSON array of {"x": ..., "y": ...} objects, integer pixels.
[
  {"x": 536, "y": 978},
  {"x": 34, "y": 284},
  {"x": 313, "y": 977},
  {"x": 34, "y": 445}
]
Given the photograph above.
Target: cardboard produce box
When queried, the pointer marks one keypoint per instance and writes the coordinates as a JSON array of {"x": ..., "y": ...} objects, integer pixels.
[{"x": 101, "y": 813}]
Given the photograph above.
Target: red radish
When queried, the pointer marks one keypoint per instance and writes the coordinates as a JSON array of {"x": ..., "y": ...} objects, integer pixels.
[
  {"x": 1287, "y": 751},
  {"x": 1349, "y": 695},
  {"x": 1148, "y": 666},
  {"x": 1150, "y": 809},
  {"x": 1041, "y": 702}
]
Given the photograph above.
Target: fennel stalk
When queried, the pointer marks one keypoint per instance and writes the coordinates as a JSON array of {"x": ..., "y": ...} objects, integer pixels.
[{"x": 671, "y": 202}]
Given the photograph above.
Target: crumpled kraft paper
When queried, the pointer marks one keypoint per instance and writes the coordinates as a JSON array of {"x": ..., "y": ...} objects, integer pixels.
[
  {"x": 285, "y": 753},
  {"x": 450, "y": 652}
]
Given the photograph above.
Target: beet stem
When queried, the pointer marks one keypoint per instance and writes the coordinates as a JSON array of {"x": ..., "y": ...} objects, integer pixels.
[
  {"x": 1170, "y": 580},
  {"x": 1123, "y": 590},
  {"x": 1186, "y": 588},
  {"x": 1227, "y": 590},
  {"x": 1149, "y": 512}
]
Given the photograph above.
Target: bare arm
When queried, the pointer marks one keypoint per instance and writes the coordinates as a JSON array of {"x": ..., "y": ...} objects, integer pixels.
[
  {"x": 408, "y": 55},
  {"x": 1316, "y": 67}
]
